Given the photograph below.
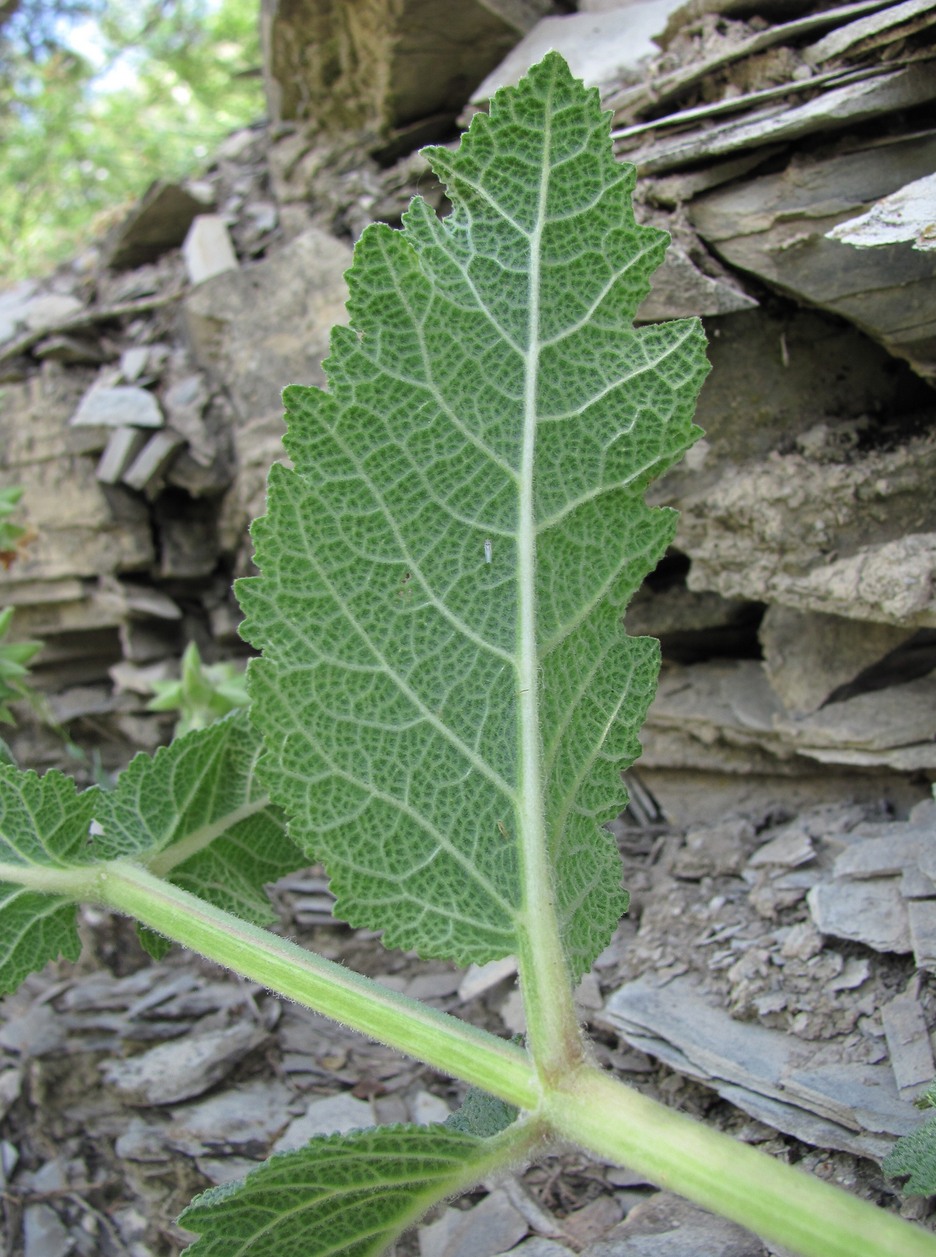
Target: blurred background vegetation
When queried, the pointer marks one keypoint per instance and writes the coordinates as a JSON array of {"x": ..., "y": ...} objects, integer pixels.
[{"x": 99, "y": 97}]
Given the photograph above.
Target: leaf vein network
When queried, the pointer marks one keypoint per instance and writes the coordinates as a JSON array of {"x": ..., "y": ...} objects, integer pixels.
[
  {"x": 649, "y": 364},
  {"x": 589, "y": 314},
  {"x": 455, "y": 621}
]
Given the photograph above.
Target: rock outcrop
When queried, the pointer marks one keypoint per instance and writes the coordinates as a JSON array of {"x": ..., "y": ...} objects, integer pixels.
[{"x": 798, "y": 608}]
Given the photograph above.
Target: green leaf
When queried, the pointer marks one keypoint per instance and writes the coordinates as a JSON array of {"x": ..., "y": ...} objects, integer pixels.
[
  {"x": 199, "y": 815},
  {"x": 195, "y": 814},
  {"x": 339, "y": 1196},
  {"x": 915, "y": 1155},
  {"x": 43, "y": 821},
  {"x": 482, "y": 1114},
  {"x": 445, "y": 567}
]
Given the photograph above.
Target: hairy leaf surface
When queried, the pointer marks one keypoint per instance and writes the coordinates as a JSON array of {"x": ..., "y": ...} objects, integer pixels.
[
  {"x": 339, "y": 1196},
  {"x": 43, "y": 821},
  {"x": 445, "y": 566},
  {"x": 196, "y": 813}
]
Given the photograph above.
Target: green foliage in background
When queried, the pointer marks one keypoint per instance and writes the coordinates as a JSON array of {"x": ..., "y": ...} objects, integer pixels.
[
  {"x": 13, "y": 536},
  {"x": 84, "y": 131}
]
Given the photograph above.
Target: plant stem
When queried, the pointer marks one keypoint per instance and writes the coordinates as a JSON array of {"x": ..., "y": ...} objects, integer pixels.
[
  {"x": 552, "y": 1026},
  {"x": 452, "y": 1046},
  {"x": 775, "y": 1200},
  {"x": 586, "y": 1106}
]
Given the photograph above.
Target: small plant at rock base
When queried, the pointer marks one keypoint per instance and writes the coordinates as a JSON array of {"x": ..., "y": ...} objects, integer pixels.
[
  {"x": 13, "y": 537},
  {"x": 444, "y": 703},
  {"x": 203, "y": 692},
  {"x": 14, "y": 658}
]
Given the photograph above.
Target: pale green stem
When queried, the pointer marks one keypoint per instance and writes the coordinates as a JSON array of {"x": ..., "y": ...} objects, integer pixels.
[
  {"x": 452, "y": 1046},
  {"x": 552, "y": 1027},
  {"x": 775, "y": 1200}
]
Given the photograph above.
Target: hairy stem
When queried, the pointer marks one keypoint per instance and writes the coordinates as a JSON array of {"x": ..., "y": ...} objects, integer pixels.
[
  {"x": 775, "y": 1200},
  {"x": 452, "y": 1046}
]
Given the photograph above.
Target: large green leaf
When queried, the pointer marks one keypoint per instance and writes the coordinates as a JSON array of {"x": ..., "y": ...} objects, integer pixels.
[
  {"x": 339, "y": 1196},
  {"x": 445, "y": 567}
]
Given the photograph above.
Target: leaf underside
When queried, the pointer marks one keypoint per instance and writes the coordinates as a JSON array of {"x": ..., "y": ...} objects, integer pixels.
[
  {"x": 395, "y": 551},
  {"x": 340, "y": 1196}
]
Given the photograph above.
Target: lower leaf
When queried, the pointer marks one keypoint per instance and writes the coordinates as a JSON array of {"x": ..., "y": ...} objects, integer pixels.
[{"x": 344, "y": 1195}]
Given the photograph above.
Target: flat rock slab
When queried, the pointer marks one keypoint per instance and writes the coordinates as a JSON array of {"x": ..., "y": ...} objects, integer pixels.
[
  {"x": 187, "y": 1067},
  {"x": 331, "y": 1114},
  {"x": 122, "y": 406},
  {"x": 484, "y": 1231},
  {"x": 158, "y": 222},
  {"x": 767, "y": 1073},
  {"x": 598, "y": 47},
  {"x": 787, "y": 229},
  {"x": 241, "y": 1122},
  {"x": 668, "y": 1226}
]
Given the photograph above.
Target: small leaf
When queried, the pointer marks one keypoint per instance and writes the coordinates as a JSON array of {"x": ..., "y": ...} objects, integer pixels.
[
  {"x": 197, "y": 813},
  {"x": 44, "y": 822},
  {"x": 339, "y": 1196},
  {"x": 915, "y": 1155},
  {"x": 482, "y": 1114}
]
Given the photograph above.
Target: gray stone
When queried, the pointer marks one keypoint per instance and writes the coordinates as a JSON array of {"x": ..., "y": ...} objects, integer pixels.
[
  {"x": 337, "y": 1113},
  {"x": 121, "y": 449},
  {"x": 427, "y": 1109},
  {"x": 44, "y": 1233},
  {"x": 679, "y": 290},
  {"x": 922, "y": 917},
  {"x": 122, "y": 406},
  {"x": 809, "y": 655},
  {"x": 208, "y": 250},
  {"x": 780, "y": 228},
  {"x": 908, "y": 1043},
  {"x": 841, "y": 106},
  {"x": 481, "y": 978},
  {"x": 242, "y": 1121},
  {"x": 147, "y": 468},
  {"x": 44, "y": 309},
  {"x": 133, "y": 362},
  {"x": 899, "y": 847},
  {"x": 184, "y": 1068},
  {"x": 871, "y": 912},
  {"x": 895, "y": 727},
  {"x": 600, "y": 47},
  {"x": 767, "y": 1073},
  {"x": 790, "y": 848},
  {"x": 267, "y": 325},
  {"x": 184, "y": 402},
  {"x": 157, "y": 223},
  {"x": 667, "y": 1225},
  {"x": 487, "y": 1229},
  {"x": 906, "y": 214}
]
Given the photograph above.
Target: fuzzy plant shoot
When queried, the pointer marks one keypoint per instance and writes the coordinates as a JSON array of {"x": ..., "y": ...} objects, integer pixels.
[{"x": 444, "y": 701}]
